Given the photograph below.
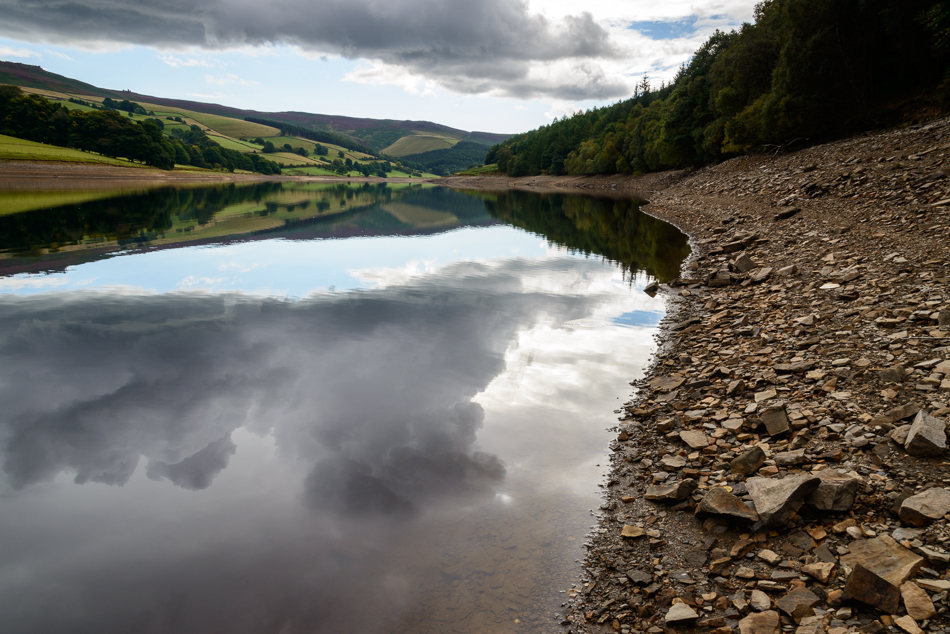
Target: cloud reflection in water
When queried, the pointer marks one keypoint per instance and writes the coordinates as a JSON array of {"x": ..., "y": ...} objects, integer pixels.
[{"x": 367, "y": 398}]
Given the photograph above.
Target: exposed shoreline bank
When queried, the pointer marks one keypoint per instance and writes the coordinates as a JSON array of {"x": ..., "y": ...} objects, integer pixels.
[{"x": 810, "y": 327}]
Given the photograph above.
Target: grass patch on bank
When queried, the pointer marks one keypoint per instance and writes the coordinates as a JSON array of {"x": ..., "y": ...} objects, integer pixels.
[{"x": 13, "y": 149}]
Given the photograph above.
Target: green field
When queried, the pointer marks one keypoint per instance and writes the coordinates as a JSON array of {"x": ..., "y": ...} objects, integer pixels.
[
  {"x": 232, "y": 144},
  {"x": 308, "y": 145},
  {"x": 21, "y": 150},
  {"x": 418, "y": 143},
  {"x": 234, "y": 128},
  {"x": 477, "y": 171}
]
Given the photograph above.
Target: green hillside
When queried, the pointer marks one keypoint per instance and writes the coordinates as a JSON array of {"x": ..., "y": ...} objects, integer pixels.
[{"x": 418, "y": 143}]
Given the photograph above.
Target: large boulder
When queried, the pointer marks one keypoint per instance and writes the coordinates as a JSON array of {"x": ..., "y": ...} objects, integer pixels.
[{"x": 776, "y": 500}]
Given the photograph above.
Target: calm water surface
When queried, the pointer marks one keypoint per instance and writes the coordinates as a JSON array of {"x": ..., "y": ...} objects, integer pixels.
[{"x": 310, "y": 408}]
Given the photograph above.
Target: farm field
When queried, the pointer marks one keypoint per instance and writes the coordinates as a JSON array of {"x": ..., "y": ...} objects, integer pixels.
[
  {"x": 308, "y": 145},
  {"x": 418, "y": 143}
]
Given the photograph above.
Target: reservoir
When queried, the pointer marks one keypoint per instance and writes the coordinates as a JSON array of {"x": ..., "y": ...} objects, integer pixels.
[{"x": 311, "y": 407}]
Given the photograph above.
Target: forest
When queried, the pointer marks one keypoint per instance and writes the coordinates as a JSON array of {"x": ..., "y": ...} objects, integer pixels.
[
  {"x": 805, "y": 72},
  {"x": 111, "y": 134}
]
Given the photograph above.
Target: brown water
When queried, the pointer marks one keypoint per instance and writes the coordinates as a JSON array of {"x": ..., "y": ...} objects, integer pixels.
[{"x": 399, "y": 432}]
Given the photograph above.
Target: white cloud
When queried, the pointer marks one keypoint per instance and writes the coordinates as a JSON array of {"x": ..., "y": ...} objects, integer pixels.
[
  {"x": 176, "y": 62},
  {"x": 229, "y": 78},
  {"x": 7, "y": 51},
  {"x": 377, "y": 73},
  {"x": 17, "y": 282},
  {"x": 60, "y": 55}
]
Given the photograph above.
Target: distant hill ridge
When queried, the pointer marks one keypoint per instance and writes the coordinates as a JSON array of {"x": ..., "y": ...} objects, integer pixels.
[{"x": 374, "y": 133}]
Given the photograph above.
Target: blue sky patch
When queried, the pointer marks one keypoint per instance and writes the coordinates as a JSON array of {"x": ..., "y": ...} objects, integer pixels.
[
  {"x": 638, "y": 318},
  {"x": 666, "y": 30}
]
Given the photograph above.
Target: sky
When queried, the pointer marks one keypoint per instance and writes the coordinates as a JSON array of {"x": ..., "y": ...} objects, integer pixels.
[{"x": 502, "y": 66}]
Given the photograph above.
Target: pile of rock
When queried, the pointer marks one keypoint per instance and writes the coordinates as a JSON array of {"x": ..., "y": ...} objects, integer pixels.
[{"x": 782, "y": 467}]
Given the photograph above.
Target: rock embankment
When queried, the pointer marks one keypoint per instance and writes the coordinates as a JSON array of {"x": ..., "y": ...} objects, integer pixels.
[{"x": 783, "y": 466}]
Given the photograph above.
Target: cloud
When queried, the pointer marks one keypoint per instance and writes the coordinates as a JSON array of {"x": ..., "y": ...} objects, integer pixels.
[
  {"x": 176, "y": 62},
  {"x": 357, "y": 479},
  {"x": 489, "y": 47},
  {"x": 187, "y": 370},
  {"x": 60, "y": 55},
  {"x": 7, "y": 51},
  {"x": 198, "y": 470},
  {"x": 229, "y": 78}
]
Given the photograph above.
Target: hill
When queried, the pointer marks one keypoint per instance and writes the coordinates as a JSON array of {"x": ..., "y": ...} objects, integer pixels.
[
  {"x": 372, "y": 134},
  {"x": 805, "y": 72}
]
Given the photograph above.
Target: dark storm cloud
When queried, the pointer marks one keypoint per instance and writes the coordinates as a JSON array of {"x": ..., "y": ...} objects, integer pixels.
[
  {"x": 469, "y": 47},
  {"x": 372, "y": 389}
]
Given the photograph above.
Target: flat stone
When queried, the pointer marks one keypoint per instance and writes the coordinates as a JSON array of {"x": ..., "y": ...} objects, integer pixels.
[
  {"x": 835, "y": 492},
  {"x": 775, "y": 420},
  {"x": 767, "y": 622},
  {"x": 632, "y": 532},
  {"x": 934, "y": 585},
  {"x": 749, "y": 462},
  {"x": 917, "y": 602},
  {"x": 695, "y": 439},
  {"x": 891, "y": 416},
  {"x": 765, "y": 395},
  {"x": 673, "y": 462},
  {"x": 790, "y": 458},
  {"x": 821, "y": 571},
  {"x": 943, "y": 368},
  {"x": 769, "y": 556},
  {"x": 759, "y": 601},
  {"x": 872, "y": 590},
  {"x": 667, "y": 383},
  {"x": 776, "y": 500},
  {"x": 927, "y": 436},
  {"x": 640, "y": 577},
  {"x": 680, "y": 613},
  {"x": 801, "y": 540},
  {"x": 925, "y": 508},
  {"x": 799, "y": 367},
  {"x": 671, "y": 492},
  {"x": 908, "y": 624},
  {"x": 788, "y": 270},
  {"x": 762, "y": 274},
  {"x": 884, "y": 557},
  {"x": 718, "y": 501},
  {"x": 798, "y": 603},
  {"x": 785, "y": 214}
]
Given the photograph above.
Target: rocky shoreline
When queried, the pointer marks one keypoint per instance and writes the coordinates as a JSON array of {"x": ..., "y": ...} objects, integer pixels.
[{"x": 783, "y": 464}]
